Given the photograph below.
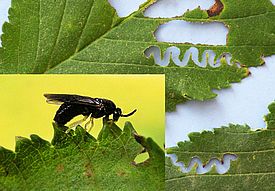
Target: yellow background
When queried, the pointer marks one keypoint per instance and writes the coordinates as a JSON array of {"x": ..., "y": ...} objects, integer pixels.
[{"x": 24, "y": 110}]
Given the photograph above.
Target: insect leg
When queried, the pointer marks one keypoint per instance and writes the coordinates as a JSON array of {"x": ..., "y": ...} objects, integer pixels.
[
  {"x": 91, "y": 122},
  {"x": 74, "y": 124},
  {"x": 87, "y": 124}
]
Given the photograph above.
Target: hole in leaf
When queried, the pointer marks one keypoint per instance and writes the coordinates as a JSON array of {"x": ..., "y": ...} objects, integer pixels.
[
  {"x": 142, "y": 157},
  {"x": 178, "y": 31},
  {"x": 175, "y": 8},
  {"x": 222, "y": 166},
  {"x": 124, "y": 8},
  {"x": 202, "y": 116},
  {"x": 208, "y": 57}
]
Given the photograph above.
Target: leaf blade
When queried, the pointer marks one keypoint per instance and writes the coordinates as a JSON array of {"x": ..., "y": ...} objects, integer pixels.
[
  {"x": 77, "y": 161},
  {"x": 253, "y": 169}
]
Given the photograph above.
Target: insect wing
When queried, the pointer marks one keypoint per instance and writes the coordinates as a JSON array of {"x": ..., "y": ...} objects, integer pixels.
[
  {"x": 69, "y": 98},
  {"x": 54, "y": 102}
]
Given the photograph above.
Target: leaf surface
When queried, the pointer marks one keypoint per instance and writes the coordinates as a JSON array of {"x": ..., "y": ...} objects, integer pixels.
[
  {"x": 253, "y": 170},
  {"x": 78, "y": 161},
  {"x": 88, "y": 37}
]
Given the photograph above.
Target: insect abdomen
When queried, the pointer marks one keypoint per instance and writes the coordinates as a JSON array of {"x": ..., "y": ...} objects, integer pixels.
[{"x": 68, "y": 111}]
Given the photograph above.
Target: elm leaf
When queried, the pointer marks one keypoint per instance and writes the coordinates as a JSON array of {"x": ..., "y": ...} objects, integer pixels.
[
  {"x": 254, "y": 168},
  {"x": 87, "y": 36},
  {"x": 77, "y": 161}
]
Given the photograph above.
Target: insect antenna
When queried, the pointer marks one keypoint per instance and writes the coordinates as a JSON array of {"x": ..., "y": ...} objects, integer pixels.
[{"x": 129, "y": 114}]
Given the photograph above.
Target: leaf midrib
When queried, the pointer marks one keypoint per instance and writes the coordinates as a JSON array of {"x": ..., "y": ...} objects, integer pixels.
[
  {"x": 103, "y": 36},
  {"x": 154, "y": 66}
]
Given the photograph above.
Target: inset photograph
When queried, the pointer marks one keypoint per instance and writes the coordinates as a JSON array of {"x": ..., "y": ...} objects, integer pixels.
[{"x": 82, "y": 132}]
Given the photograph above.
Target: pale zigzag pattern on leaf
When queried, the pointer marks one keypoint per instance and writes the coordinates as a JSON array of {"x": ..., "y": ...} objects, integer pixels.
[
  {"x": 173, "y": 53},
  {"x": 222, "y": 166}
]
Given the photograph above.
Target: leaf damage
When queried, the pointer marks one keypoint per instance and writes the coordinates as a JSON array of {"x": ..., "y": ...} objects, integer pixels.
[
  {"x": 94, "y": 40},
  {"x": 252, "y": 170}
]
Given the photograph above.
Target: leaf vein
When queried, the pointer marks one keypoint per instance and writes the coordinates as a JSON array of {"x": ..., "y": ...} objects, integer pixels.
[
  {"x": 57, "y": 36},
  {"x": 84, "y": 26},
  {"x": 38, "y": 39}
]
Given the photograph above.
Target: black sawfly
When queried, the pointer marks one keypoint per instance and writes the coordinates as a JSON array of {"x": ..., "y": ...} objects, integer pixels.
[{"x": 74, "y": 105}]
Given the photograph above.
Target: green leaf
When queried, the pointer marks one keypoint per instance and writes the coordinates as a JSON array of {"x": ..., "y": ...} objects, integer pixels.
[
  {"x": 88, "y": 37},
  {"x": 254, "y": 168},
  {"x": 77, "y": 161}
]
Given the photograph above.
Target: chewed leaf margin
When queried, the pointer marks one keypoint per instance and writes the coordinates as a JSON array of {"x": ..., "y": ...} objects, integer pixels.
[
  {"x": 111, "y": 155},
  {"x": 253, "y": 169}
]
